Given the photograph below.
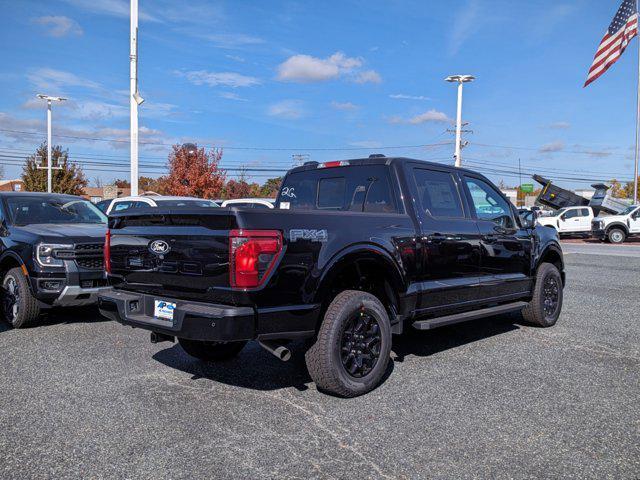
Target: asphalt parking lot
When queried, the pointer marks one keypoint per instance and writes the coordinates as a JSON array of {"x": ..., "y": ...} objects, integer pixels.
[{"x": 85, "y": 398}]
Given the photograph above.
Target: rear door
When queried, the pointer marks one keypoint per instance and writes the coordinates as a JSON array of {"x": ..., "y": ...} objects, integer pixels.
[
  {"x": 585, "y": 219},
  {"x": 505, "y": 264},
  {"x": 449, "y": 240}
]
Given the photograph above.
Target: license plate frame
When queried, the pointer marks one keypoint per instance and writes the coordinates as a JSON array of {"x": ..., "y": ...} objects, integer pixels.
[{"x": 163, "y": 310}]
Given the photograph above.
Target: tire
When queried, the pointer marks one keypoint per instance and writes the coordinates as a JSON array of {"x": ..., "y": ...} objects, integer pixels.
[
  {"x": 616, "y": 235},
  {"x": 351, "y": 316},
  {"x": 211, "y": 351},
  {"x": 19, "y": 307},
  {"x": 548, "y": 288}
]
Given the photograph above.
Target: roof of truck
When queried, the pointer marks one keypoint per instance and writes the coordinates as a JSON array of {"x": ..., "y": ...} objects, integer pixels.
[{"x": 376, "y": 159}]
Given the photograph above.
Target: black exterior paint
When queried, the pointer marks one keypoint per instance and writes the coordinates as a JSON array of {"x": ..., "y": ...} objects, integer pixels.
[
  {"x": 17, "y": 244},
  {"x": 432, "y": 266}
]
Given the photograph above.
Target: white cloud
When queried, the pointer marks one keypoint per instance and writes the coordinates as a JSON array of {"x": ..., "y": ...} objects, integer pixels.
[
  {"x": 466, "y": 23},
  {"x": 52, "y": 79},
  {"x": 402, "y": 96},
  {"x": 225, "y": 40},
  {"x": 213, "y": 79},
  {"x": 233, "y": 96},
  {"x": 290, "y": 109},
  {"x": 430, "y": 116},
  {"x": 560, "y": 125},
  {"x": 305, "y": 68},
  {"x": 58, "y": 25},
  {"x": 552, "y": 147},
  {"x": 368, "y": 76},
  {"x": 344, "y": 105}
]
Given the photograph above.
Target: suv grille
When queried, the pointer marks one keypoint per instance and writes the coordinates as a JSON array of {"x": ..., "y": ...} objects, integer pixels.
[{"x": 89, "y": 255}]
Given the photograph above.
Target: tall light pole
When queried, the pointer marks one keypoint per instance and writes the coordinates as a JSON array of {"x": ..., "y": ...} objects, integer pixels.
[
  {"x": 135, "y": 98},
  {"x": 49, "y": 99},
  {"x": 460, "y": 79}
]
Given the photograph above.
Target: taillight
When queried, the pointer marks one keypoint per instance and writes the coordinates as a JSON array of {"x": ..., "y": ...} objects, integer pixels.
[
  {"x": 107, "y": 252},
  {"x": 252, "y": 256}
]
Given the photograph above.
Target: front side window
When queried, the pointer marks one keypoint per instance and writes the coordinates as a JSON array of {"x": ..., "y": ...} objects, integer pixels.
[
  {"x": 25, "y": 210},
  {"x": 438, "y": 193},
  {"x": 489, "y": 204},
  {"x": 571, "y": 214}
]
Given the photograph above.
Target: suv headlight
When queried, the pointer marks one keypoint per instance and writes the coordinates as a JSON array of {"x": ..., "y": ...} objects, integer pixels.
[{"x": 47, "y": 254}]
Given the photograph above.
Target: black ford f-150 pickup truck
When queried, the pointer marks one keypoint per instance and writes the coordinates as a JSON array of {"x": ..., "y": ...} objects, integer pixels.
[
  {"x": 50, "y": 253},
  {"x": 354, "y": 252}
]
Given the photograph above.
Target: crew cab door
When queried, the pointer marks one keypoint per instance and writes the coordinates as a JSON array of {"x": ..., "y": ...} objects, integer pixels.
[
  {"x": 505, "y": 263},
  {"x": 575, "y": 220},
  {"x": 449, "y": 240}
]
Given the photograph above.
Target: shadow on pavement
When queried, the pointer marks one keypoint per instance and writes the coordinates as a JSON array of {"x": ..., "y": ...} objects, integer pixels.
[
  {"x": 430, "y": 342},
  {"x": 257, "y": 369},
  {"x": 59, "y": 316}
]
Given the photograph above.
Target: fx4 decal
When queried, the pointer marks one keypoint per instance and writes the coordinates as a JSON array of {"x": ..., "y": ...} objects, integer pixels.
[{"x": 296, "y": 234}]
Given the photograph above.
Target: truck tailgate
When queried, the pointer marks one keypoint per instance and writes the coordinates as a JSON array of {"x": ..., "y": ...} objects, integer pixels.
[{"x": 173, "y": 253}]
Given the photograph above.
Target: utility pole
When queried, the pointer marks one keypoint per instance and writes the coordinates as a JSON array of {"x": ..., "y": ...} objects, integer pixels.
[
  {"x": 135, "y": 99},
  {"x": 460, "y": 80},
  {"x": 49, "y": 167},
  {"x": 519, "y": 184}
]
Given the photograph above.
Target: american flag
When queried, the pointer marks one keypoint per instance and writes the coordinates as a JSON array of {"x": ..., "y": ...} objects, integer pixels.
[{"x": 622, "y": 29}]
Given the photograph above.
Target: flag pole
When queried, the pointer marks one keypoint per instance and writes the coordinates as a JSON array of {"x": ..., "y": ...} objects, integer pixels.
[{"x": 635, "y": 170}]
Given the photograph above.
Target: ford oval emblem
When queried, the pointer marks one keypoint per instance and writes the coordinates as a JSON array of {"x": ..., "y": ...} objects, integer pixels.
[{"x": 159, "y": 247}]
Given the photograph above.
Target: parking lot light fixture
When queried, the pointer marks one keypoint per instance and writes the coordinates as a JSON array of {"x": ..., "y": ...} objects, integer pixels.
[
  {"x": 49, "y": 99},
  {"x": 460, "y": 80}
]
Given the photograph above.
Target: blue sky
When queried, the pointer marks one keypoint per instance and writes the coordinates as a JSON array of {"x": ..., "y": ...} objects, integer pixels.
[{"x": 330, "y": 79}]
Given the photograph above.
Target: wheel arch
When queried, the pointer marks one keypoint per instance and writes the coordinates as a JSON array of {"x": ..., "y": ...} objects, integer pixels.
[
  {"x": 552, "y": 253},
  {"x": 622, "y": 226},
  {"x": 365, "y": 267}
]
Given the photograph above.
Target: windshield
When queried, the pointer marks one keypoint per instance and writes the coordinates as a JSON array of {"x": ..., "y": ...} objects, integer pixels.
[
  {"x": 628, "y": 210},
  {"x": 185, "y": 203},
  {"x": 25, "y": 210}
]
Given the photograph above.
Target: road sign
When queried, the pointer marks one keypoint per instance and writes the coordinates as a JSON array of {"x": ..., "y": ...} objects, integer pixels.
[{"x": 526, "y": 187}]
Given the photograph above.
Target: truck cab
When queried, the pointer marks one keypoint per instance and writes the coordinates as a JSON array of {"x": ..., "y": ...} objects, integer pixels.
[
  {"x": 569, "y": 220},
  {"x": 617, "y": 228}
]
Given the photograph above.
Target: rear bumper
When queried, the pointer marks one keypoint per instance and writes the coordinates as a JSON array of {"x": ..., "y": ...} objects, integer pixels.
[{"x": 209, "y": 322}]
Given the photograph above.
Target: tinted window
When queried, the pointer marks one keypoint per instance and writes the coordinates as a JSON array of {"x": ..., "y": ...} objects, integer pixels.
[
  {"x": 489, "y": 204},
  {"x": 571, "y": 214},
  {"x": 122, "y": 206},
  {"x": 331, "y": 193},
  {"x": 25, "y": 210},
  {"x": 585, "y": 212},
  {"x": 181, "y": 203},
  {"x": 438, "y": 193},
  {"x": 354, "y": 188}
]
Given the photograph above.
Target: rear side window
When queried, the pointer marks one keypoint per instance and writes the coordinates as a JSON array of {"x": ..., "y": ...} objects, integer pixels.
[
  {"x": 585, "y": 212},
  {"x": 438, "y": 193},
  {"x": 331, "y": 193},
  {"x": 353, "y": 188}
]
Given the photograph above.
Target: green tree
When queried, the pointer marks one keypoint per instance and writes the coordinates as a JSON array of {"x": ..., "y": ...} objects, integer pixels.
[
  {"x": 271, "y": 187},
  {"x": 68, "y": 179}
]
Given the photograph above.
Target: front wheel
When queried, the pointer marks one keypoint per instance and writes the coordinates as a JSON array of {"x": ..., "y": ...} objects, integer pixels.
[
  {"x": 211, "y": 351},
  {"x": 19, "y": 306},
  {"x": 616, "y": 235},
  {"x": 352, "y": 350},
  {"x": 545, "y": 306}
]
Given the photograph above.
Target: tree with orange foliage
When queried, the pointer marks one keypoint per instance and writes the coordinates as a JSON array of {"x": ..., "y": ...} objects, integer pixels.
[{"x": 194, "y": 172}]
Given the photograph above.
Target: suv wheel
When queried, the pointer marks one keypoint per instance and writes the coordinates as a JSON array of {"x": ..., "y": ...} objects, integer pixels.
[
  {"x": 19, "y": 306},
  {"x": 211, "y": 351},
  {"x": 616, "y": 235},
  {"x": 546, "y": 304},
  {"x": 351, "y": 354}
]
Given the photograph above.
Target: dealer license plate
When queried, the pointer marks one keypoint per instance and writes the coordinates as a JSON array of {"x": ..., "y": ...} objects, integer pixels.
[{"x": 163, "y": 309}]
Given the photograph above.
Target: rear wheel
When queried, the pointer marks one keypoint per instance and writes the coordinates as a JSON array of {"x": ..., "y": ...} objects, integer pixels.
[
  {"x": 545, "y": 306},
  {"x": 351, "y": 354},
  {"x": 211, "y": 351},
  {"x": 19, "y": 306},
  {"x": 616, "y": 235}
]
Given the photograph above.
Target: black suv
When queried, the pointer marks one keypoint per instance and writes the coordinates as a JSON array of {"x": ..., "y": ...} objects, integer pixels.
[
  {"x": 51, "y": 253},
  {"x": 354, "y": 251}
]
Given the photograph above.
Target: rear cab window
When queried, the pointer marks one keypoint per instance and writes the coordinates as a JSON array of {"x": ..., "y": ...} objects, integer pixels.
[{"x": 355, "y": 188}]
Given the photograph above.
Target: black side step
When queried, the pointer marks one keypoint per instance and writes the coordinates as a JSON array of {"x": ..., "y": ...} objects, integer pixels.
[{"x": 463, "y": 317}]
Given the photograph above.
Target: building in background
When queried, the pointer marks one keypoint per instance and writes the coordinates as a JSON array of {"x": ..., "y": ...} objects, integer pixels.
[{"x": 11, "y": 185}]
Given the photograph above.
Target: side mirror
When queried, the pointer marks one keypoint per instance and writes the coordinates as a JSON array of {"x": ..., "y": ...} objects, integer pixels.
[
  {"x": 4, "y": 230},
  {"x": 527, "y": 220}
]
